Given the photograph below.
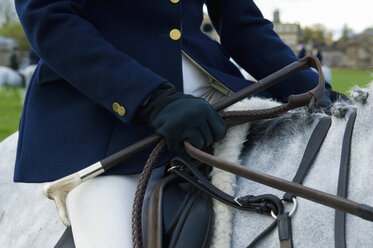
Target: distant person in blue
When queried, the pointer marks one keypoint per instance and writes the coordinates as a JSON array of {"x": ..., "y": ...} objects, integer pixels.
[
  {"x": 317, "y": 52},
  {"x": 113, "y": 72},
  {"x": 301, "y": 50}
]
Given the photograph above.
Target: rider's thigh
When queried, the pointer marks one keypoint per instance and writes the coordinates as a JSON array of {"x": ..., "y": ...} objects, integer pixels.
[{"x": 100, "y": 211}]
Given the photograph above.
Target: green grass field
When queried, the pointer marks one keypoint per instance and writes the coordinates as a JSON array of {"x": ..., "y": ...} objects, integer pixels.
[
  {"x": 344, "y": 79},
  {"x": 11, "y": 108},
  {"x": 10, "y": 112}
]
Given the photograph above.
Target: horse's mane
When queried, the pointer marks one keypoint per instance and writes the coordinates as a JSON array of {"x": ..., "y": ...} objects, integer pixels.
[
  {"x": 295, "y": 121},
  {"x": 287, "y": 124}
]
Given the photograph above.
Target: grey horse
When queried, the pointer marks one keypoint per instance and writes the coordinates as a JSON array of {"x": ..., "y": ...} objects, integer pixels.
[{"x": 28, "y": 219}]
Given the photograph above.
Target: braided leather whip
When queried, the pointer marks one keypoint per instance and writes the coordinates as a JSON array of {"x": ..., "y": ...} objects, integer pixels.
[{"x": 140, "y": 193}]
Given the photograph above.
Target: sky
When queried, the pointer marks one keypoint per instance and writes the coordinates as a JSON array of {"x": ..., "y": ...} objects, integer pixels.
[{"x": 357, "y": 14}]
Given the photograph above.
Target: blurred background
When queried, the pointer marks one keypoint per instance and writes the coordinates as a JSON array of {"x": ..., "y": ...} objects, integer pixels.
[
  {"x": 14, "y": 55},
  {"x": 339, "y": 32}
]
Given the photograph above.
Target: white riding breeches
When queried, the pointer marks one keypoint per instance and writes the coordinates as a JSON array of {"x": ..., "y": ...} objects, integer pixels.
[{"x": 100, "y": 209}]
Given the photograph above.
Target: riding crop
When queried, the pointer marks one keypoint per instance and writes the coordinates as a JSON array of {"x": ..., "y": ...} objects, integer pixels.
[{"x": 59, "y": 189}]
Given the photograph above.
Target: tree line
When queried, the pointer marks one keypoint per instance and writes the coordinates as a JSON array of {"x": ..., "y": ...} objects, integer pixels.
[
  {"x": 10, "y": 27},
  {"x": 318, "y": 34}
]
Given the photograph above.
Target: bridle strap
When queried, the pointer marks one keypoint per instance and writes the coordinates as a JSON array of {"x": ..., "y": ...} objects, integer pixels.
[
  {"x": 263, "y": 234},
  {"x": 336, "y": 202},
  {"x": 313, "y": 147},
  {"x": 190, "y": 173},
  {"x": 340, "y": 217}
]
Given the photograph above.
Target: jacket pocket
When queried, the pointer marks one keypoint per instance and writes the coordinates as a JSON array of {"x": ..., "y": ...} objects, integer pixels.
[{"x": 47, "y": 74}]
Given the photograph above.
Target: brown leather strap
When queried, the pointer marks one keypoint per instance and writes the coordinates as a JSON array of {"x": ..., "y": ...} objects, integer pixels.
[
  {"x": 340, "y": 203},
  {"x": 154, "y": 221},
  {"x": 284, "y": 230},
  {"x": 129, "y": 151},
  {"x": 344, "y": 168},
  {"x": 309, "y": 98}
]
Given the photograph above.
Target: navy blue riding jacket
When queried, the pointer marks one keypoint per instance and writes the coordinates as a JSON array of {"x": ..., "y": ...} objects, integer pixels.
[{"x": 101, "y": 59}]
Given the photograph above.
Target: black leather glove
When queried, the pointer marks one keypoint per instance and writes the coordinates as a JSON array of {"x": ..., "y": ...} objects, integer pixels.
[{"x": 178, "y": 117}]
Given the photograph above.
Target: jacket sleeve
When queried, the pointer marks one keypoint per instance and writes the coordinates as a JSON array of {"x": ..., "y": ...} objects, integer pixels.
[
  {"x": 251, "y": 41},
  {"x": 74, "y": 49}
]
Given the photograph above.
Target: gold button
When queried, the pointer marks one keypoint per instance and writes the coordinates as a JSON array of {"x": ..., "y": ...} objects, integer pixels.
[
  {"x": 175, "y": 1},
  {"x": 116, "y": 106},
  {"x": 175, "y": 34},
  {"x": 121, "y": 111}
]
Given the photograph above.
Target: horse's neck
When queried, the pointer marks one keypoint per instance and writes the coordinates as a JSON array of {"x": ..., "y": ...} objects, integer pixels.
[
  {"x": 24, "y": 212},
  {"x": 276, "y": 147}
]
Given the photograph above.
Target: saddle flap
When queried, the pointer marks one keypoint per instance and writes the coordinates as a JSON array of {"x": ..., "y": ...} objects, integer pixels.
[{"x": 178, "y": 215}]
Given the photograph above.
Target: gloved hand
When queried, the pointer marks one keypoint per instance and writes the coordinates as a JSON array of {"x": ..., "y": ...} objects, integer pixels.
[{"x": 178, "y": 117}]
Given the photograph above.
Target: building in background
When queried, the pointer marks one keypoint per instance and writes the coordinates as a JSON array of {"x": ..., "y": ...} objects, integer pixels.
[
  {"x": 355, "y": 52},
  {"x": 290, "y": 33},
  {"x": 358, "y": 50},
  {"x": 351, "y": 52},
  {"x": 332, "y": 57}
]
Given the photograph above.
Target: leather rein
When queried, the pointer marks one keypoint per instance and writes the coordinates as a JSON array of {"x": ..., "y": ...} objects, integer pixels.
[{"x": 233, "y": 118}]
